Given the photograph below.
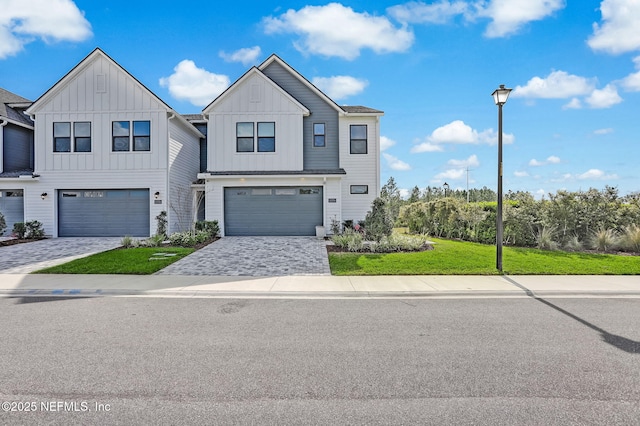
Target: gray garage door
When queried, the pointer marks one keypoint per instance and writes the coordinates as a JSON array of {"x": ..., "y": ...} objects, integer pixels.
[
  {"x": 103, "y": 213},
  {"x": 12, "y": 207},
  {"x": 272, "y": 211}
]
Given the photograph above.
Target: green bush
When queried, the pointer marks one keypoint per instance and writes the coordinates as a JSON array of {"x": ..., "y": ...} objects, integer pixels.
[
  {"x": 28, "y": 230},
  {"x": 19, "y": 230},
  {"x": 574, "y": 244},
  {"x": 188, "y": 239},
  {"x": 3, "y": 224},
  {"x": 349, "y": 240},
  {"x": 126, "y": 241},
  {"x": 545, "y": 239},
  {"x": 604, "y": 240},
  {"x": 161, "y": 227},
  {"x": 211, "y": 227},
  {"x": 399, "y": 243},
  {"x": 378, "y": 223},
  {"x": 156, "y": 240},
  {"x": 630, "y": 239}
]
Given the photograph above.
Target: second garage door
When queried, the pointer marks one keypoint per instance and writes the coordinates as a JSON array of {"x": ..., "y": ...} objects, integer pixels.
[
  {"x": 272, "y": 211},
  {"x": 103, "y": 213}
]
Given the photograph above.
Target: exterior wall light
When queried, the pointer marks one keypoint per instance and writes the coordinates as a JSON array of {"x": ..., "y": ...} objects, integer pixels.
[
  {"x": 43, "y": 195},
  {"x": 156, "y": 195}
]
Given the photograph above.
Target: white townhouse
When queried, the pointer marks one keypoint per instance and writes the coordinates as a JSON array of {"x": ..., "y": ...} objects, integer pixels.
[
  {"x": 109, "y": 156},
  {"x": 283, "y": 158},
  {"x": 99, "y": 154}
]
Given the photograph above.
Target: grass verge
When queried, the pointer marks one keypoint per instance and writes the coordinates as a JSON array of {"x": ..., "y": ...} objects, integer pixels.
[
  {"x": 464, "y": 258},
  {"x": 136, "y": 261}
]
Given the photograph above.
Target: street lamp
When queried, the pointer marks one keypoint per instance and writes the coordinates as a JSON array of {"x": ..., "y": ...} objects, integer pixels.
[
  {"x": 500, "y": 96},
  {"x": 446, "y": 188}
]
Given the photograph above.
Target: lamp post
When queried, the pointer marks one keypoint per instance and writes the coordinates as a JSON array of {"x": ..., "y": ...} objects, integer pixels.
[
  {"x": 500, "y": 96},
  {"x": 446, "y": 188}
]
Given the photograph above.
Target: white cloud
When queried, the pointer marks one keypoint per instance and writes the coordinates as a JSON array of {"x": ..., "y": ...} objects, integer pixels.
[
  {"x": 472, "y": 161},
  {"x": 386, "y": 143},
  {"x": 50, "y": 20},
  {"x": 618, "y": 31},
  {"x": 603, "y": 131},
  {"x": 404, "y": 193},
  {"x": 426, "y": 147},
  {"x": 573, "y": 104},
  {"x": 340, "y": 86},
  {"x": 550, "y": 160},
  {"x": 520, "y": 174},
  {"x": 631, "y": 83},
  {"x": 596, "y": 174},
  {"x": 604, "y": 98},
  {"x": 435, "y": 13},
  {"x": 451, "y": 174},
  {"x": 509, "y": 16},
  {"x": 395, "y": 163},
  {"x": 246, "y": 56},
  {"x": 541, "y": 193},
  {"x": 557, "y": 85},
  {"x": 196, "y": 85},
  {"x": 336, "y": 30}
]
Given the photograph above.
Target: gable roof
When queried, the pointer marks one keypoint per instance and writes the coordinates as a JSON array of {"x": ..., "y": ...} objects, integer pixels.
[
  {"x": 344, "y": 110},
  {"x": 251, "y": 72},
  {"x": 11, "y": 106},
  {"x": 97, "y": 52}
]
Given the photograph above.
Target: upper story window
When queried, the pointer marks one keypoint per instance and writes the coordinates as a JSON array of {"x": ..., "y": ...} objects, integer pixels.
[
  {"x": 358, "y": 138},
  {"x": 245, "y": 137},
  {"x": 121, "y": 132},
  {"x": 267, "y": 137},
  {"x": 319, "y": 135},
  {"x": 63, "y": 135}
]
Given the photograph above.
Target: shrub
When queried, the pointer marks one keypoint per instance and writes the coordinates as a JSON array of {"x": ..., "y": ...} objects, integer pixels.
[
  {"x": 211, "y": 227},
  {"x": 156, "y": 240},
  {"x": 3, "y": 224},
  {"x": 545, "y": 239},
  {"x": 574, "y": 244},
  {"x": 349, "y": 240},
  {"x": 630, "y": 240},
  {"x": 378, "y": 222},
  {"x": 398, "y": 243},
  {"x": 604, "y": 239},
  {"x": 335, "y": 226},
  {"x": 19, "y": 230},
  {"x": 188, "y": 239},
  {"x": 126, "y": 241},
  {"x": 161, "y": 227}
]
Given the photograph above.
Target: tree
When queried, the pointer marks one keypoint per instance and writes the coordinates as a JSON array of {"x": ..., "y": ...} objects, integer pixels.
[
  {"x": 415, "y": 195},
  {"x": 378, "y": 222},
  {"x": 390, "y": 194}
]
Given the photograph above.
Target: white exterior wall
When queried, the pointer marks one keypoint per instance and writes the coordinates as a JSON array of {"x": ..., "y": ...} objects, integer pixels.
[
  {"x": 184, "y": 165},
  {"x": 255, "y": 100},
  {"x": 46, "y": 210},
  {"x": 362, "y": 169},
  {"x": 214, "y": 193}
]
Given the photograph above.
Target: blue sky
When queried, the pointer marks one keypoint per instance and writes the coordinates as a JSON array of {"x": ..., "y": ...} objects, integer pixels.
[{"x": 571, "y": 121}]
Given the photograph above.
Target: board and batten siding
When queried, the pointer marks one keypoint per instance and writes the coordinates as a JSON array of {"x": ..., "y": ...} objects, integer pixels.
[
  {"x": 184, "y": 165},
  {"x": 362, "y": 169},
  {"x": 315, "y": 158},
  {"x": 255, "y": 100},
  {"x": 46, "y": 211}
]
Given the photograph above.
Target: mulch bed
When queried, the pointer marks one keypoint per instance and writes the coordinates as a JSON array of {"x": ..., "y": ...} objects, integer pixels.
[
  {"x": 18, "y": 241},
  {"x": 335, "y": 249}
]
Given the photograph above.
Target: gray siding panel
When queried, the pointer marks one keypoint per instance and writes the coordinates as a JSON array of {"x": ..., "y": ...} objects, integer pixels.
[
  {"x": 321, "y": 112},
  {"x": 247, "y": 213},
  {"x": 12, "y": 207},
  {"x": 18, "y": 148},
  {"x": 114, "y": 214}
]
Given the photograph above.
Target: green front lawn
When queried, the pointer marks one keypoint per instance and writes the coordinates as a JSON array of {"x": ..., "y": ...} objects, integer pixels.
[
  {"x": 137, "y": 261},
  {"x": 464, "y": 258}
]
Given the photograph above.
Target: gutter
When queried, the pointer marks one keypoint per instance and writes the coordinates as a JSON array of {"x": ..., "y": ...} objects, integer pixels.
[{"x": 3, "y": 122}]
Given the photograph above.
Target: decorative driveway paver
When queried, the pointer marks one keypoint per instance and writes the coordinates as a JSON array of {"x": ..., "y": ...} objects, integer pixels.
[
  {"x": 257, "y": 257},
  {"x": 29, "y": 257}
]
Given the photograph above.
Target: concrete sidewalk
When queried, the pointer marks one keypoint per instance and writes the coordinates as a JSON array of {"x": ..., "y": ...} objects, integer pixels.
[{"x": 12, "y": 285}]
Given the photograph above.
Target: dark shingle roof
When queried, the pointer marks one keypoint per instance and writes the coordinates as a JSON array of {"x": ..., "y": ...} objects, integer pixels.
[
  {"x": 281, "y": 172},
  {"x": 193, "y": 117},
  {"x": 358, "y": 109},
  {"x": 6, "y": 99}
]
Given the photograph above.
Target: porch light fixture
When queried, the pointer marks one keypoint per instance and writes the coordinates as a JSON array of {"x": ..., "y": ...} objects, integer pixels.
[
  {"x": 43, "y": 195},
  {"x": 156, "y": 195},
  {"x": 500, "y": 96}
]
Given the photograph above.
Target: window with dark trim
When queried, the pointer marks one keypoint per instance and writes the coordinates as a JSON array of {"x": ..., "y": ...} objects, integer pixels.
[
  {"x": 121, "y": 132},
  {"x": 62, "y": 137},
  {"x": 267, "y": 137},
  {"x": 142, "y": 136},
  {"x": 82, "y": 136},
  {"x": 359, "y": 189},
  {"x": 358, "y": 138},
  {"x": 319, "y": 135},
  {"x": 244, "y": 137}
]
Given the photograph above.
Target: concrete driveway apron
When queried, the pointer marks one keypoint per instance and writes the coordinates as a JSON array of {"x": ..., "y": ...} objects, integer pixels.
[
  {"x": 256, "y": 256},
  {"x": 29, "y": 257}
]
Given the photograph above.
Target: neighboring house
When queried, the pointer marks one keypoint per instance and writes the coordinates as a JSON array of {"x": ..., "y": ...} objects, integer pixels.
[
  {"x": 16, "y": 156},
  {"x": 284, "y": 158},
  {"x": 109, "y": 156}
]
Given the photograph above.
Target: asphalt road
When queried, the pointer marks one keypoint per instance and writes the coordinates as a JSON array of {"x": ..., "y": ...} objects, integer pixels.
[{"x": 231, "y": 361}]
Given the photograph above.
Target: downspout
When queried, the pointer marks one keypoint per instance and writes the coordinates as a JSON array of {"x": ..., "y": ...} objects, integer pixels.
[
  {"x": 3, "y": 123},
  {"x": 167, "y": 196}
]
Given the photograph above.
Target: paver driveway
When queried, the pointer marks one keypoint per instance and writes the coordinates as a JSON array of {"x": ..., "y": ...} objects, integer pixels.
[
  {"x": 256, "y": 256},
  {"x": 29, "y": 257}
]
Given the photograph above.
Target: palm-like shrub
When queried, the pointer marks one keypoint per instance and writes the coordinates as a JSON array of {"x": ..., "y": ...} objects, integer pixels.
[
  {"x": 604, "y": 239},
  {"x": 574, "y": 244},
  {"x": 545, "y": 238},
  {"x": 630, "y": 240}
]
